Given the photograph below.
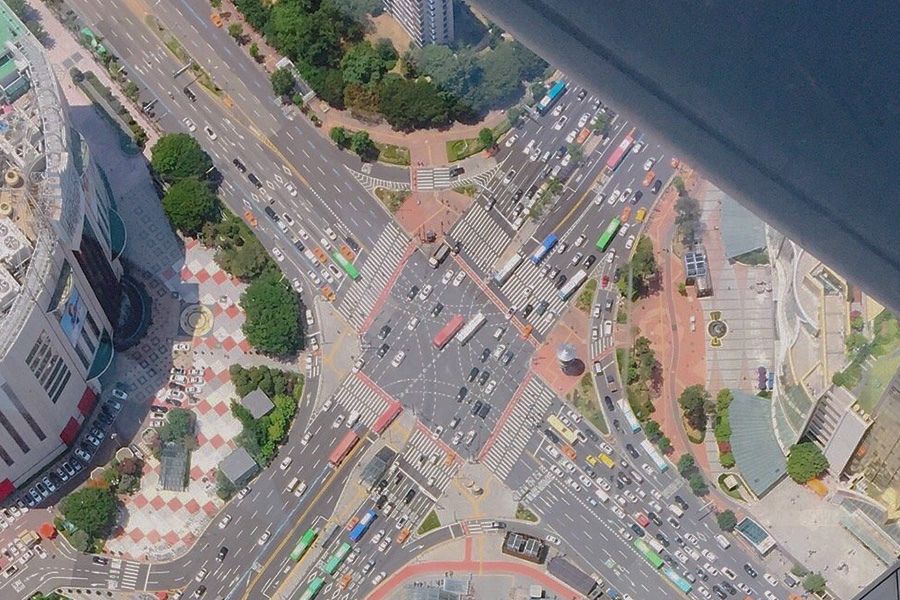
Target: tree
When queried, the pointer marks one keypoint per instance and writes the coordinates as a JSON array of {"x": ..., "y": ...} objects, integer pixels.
[
  {"x": 723, "y": 399},
  {"x": 651, "y": 430},
  {"x": 665, "y": 444},
  {"x": 695, "y": 402},
  {"x": 486, "y": 137},
  {"x": 340, "y": 137},
  {"x": 363, "y": 98},
  {"x": 272, "y": 325},
  {"x": 179, "y": 426},
  {"x": 189, "y": 205},
  {"x": 814, "y": 582},
  {"x": 236, "y": 30},
  {"x": 686, "y": 464},
  {"x": 225, "y": 489},
  {"x": 254, "y": 52},
  {"x": 726, "y": 520},
  {"x": 409, "y": 105},
  {"x": 363, "y": 146},
  {"x": 283, "y": 82},
  {"x": 698, "y": 485},
  {"x": 363, "y": 64},
  {"x": 177, "y": 156},
  {"x": 386, "y": 51},
  {"x": 90, "y": 509},
  {"x": 687, "y": 219},
  {"x": 727, "y": 460},
  {"x": 805, "y": 461}
]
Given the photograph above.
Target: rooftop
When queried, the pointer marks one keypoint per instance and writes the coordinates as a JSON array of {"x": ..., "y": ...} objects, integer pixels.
[
  {"x": 257, "y": 403},
  {"x": 238, "y": 466},
  {"x": 756, "y": 451}
]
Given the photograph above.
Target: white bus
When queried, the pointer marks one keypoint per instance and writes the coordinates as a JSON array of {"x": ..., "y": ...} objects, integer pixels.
[
  {"x": 572, "y": 284},
  {"x": 469, "y": 329},
  {"x": 508, "y": 268}
]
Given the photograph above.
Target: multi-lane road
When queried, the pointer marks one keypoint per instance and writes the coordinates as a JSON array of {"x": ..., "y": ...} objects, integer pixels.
[{"x": 472, "y": 400}]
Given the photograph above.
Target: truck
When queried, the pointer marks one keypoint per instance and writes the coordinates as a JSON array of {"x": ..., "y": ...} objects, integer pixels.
[{"x": 439, "y": 255}]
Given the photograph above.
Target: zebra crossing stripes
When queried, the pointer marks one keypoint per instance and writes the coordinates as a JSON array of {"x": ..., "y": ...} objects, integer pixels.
[
  {"x": 483, "y": 239},
  {"x": 427, "y": 179},
  {"x": 123, "y": 575},
  {"x": 376, "y": 269},
  {"x": 422, "y": 444},
  {"x": 529, "y": 276},
  {"x": 526, "y": 416},
  {"x": 355, "y": 395},
  {"x": 370, "y": 183}
]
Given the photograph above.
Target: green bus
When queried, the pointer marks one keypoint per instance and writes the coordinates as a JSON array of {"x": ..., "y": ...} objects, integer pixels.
[
  {"x": 645, "y": 550},
  {"x": 345, "y": 264},
  {"x": 611, "y": 230},
  {"x": 314, "y": 586},
  {"x": 304, "y": 544},
  {"x": 337, "y": 558}
]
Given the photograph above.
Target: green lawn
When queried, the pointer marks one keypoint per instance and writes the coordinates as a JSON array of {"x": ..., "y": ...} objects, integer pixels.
[
  {"x": 877, "y": 378},
  {"x": 735, "y": 493},
  {"x": 466, "y": 190},
  {"x": 460, "y": 149},
  {"x": 393, "y": 200},
  {"x": 586, "y": 402},
  {"x": 394, "y": 155},
  {"x": 430, "y": 522},
  {"x": 524, "y": 514},
  {"x": 586, "y": 296}
]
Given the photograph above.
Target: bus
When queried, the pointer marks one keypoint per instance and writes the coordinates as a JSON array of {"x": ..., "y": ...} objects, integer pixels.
[
  {"x": 551, "y": 97},
  {"x": 466, "y": 332},
  {"x": 680, "y": 582},
  {"x": 611, "y": 230},
  {"x": 564, "y": 432},
  {"x": 343, "y": 448},
  {"x": 544, "y": 248},
  {"x": 645, "y": 550},
  {"x": 606, "y": 460},
  {"x": 387, "y": 417},
  {"x": 621, "y": 151},
  {"x": 345, "y": 265},
  {"x": 337, "y": 558},
  {"x": 439, "y": 256},
  {"x": 566, "y": 291},
  {"x": 304, "y": 544},
  {"x": 506, "y": 271},
  {"x": 629, "y": 415},
  {"x": 362, "y": 526},
  {"x": 314, "y": 586},
  {"x": 448, "y": 331},
  {"x": 654, "y": 454}
]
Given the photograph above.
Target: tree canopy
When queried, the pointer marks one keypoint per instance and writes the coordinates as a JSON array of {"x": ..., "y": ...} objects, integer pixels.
[
  {"x": 90, "y": 509},
  {"x": 238, "y": 251},
  {"x": 726, "y": 520},
  {"x": 805, "y": 461},
  {"x": 410, "y": 105},
  {"x": 814, "y": 582},
  {"x": 177, "y": 156},
  {"x": 189, "y": 204},
  {"x": 486, "y": 137},
  {"x": 696, "y": 403},
  {"x": 364, "y": 63},
  {"x": 362, "y": 145},
  {"x": 643, "y": 271},
  {"x": 283, "y": 82},
  {"x": 272, "y": 325},
  {"x": 179, "y": 426}
]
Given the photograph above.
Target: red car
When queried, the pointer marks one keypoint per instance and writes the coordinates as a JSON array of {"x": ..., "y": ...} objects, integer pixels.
[{"x": 605, "y": 281}]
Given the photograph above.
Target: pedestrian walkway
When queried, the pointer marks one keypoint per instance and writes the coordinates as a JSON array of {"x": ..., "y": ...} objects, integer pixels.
[
  {"x": 379, "y": 265},
  {"x": 529, "y": 285},
  {"x": 527, "y": 414},
  {"x": 427, "y": 179},
  {"x": 355, "y": 395},
  {"x": 483, "y": 238},
  {"x": 431, "y": 460},
  {"x": 123, "y": 575},
  {"x": 370, "y": 183}
]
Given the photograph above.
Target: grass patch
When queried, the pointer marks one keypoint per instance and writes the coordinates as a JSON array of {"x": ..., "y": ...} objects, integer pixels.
[
  {"x": 524, "y": 514},
  {"x": 174, "y": 46},
  {"x": 622, "y": 315},
  {"x": 735, "y": 493},
  {"x": 586, "y": 295},
  {"x": 466, "y": 190},
  {"x": 430, "y": 522},
  {"x": 392, "y": 199},
  {"x": 877, "y": 378},
  {"x": 754, "y": 257},
  {"x": 460, "y": 149},
  {"x": 695, "y": 436},
  {"x": 586, "y": 402},
  {"x": 393, "y": 155}
]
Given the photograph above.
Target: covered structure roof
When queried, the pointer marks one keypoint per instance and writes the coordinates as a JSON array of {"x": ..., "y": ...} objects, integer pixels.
[
  {"x": 238, "y": 466},
  {"x": 756, "y": 451},
  {"x": 258, "y": 403},
  {"x": 173, "y": 467}
]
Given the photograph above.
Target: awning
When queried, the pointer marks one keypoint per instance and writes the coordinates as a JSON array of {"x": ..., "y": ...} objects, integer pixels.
[
  {"x": 6, "y": 488},
  {"x": 88, "y": 398},
  {"x": 70, "y": 432},
  {"x": 47, "y": 531}
]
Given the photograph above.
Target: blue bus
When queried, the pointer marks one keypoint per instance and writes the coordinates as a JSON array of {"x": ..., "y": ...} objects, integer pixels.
[
  {"x": 683, "y": 584},
  {"x": 552, "y": 96},
  {"x": 362, "y": 527},
  {"x": 544, "y": 248}
]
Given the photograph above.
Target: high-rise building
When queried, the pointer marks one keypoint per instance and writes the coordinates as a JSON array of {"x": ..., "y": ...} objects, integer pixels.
[
  {"x": 60, "y": 241},
  {"x": 426, "y": 21}
]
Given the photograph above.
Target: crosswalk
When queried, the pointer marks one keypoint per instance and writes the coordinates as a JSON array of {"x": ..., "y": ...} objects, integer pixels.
[
  {"x": 370, "y": 183},
  {"x": 426, "y": 179},
  {"x": 123, "y": 575},
  {"x": 482, "y": 237},
  {"x": 355, "y": 395},
  {"x": 529, "y": 285},
  {"x": 526, "y": 415},
  {"x": 376, "y": 268},
  {"x": 431, "y": 460}
]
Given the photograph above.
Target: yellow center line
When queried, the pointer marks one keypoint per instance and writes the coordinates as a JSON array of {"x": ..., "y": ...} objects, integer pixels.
[{"x": 578, "y": 204}]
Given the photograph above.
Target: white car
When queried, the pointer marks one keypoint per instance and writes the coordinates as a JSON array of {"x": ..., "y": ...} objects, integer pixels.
[
  {"x": 303, "y": 234},
  {"x": 201, "y": 575},
  {"x": 566, "y": 160},
  {"x": 384, "y": 543},
  {"x": 330, "y": 233},
  {"x": 580, "y": 241},
  {"x": 456, "y": 438},
  {"x": 625, "y": 195},
  {"x": 624, "y": 229},
  {"x": 553, "y": 540},
  {"x": 585, "y": 481},
  {"x": 295, "y": 283},
  {"x": 708, "y": 555},
  {"x": 692, "y": 539},
  {"x": 606, "y": 447},
  {"x": 535, "y": 154},
  {"x": 377, "y": 537},
  {"x": 648, "y": 164},
  {"x": 710, "y": 569},
  {"x": 625, "y": 534},
  {"x": 189, "y": 124},
  {"x": 572, "y": 135},
  {"x": 290, "y": 188},
  {"x": 314, "y": 277},
  {"x": 770, "y": 596},
  {"x": 379, "y": 578},
  {"x": 278, "y": 254},
  {"x": 447, "y": 277},
  {"x": 459, "y": 278},
  {"x": 596, "y": 313},
  {"x": 558, "y": 110},
  {"x": 358, "y": 365},
  {"x": 510, "y": 174},
  {"x": 704, "y": 592},
  {"x": 326, "y": 276},
  {"x": 629, "y": 242},
  {"x": 244, "y": 491},
  {"x": 637, "y": 147},
  {"x": 264, "y": 537},
  {"x": 426, "y": 291},
  {"x": 607, "y": 327},
  {"x": 225, "y": 521},
  {"x": 398, "y": 358},
  {"x": 490, "y": 387},
  {"x": 337, "y": 422},
  {"x": 618, "y": 512},
  {"x": 212, "y": 134},
  {"x": 328, "y": 404},
  {"x": 286, "y": 463},
  {"x": 614, "y": 197},
  {"x": 584, "y": 119},
  {"x": 121, "y": 395},
  {"x": 510, "y": 140},
  {"x": 413, "y": 323},
  {"x": 306, "y": 437},
  {"x": 770, "y": 579},
  {"x": 560, "y": 123},
  {"x": 681, "y": 556}
]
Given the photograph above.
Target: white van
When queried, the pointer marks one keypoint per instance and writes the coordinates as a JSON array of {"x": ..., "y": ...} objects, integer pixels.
[
  {"x": 300, "y": 489},
  {"x": 676, "y": 510},
  {"x": 291, "y": 485},
  {"x": 692, "y": 552},
  {"x": 655, "y": 544},
  {"x": 637, "y": 477},
  {"x": 603, "y": 496},
  {"x": 353, "y": 418},
  {"x": 722, "y": 541}
]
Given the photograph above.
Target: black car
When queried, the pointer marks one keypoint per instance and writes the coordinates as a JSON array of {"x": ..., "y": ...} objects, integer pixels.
[
  {"x": 632, "y": 451},
  {"x": 560, "y": 152},
  {"x": 299, "y": 245},
  {"x": 485, "y": 354},
  {"x": 484, "y": 410},
  {"x": 384, "y": 332},
  {"x": 532, "y": 190},
  {"x": 490, "y": 204},
  {"x": 271, "y": 214},
  {"x": 655, "y": 518},
  {"x": 702, "y": 574},
  {"x": 637, "y": 197},
  {"x": 461, "y": 394},
  {"x": 551, "y": 436},
  {"x": 383, "y": 350},
  {"x": 561, "y": 281},
  {"x": 382, "y": 484},
  {"x": 680, "y": 502},
  {"x": 590, "y": 472},
  {"x": 409, "y": 496},
  {"x": 637, "y": 529},
  {"x": 656, "y": 185},
  {"x": 623, "y": 478},
  {"x": 239, "y": 165},
  {"x": 609, "y": 403},
  {"x": 518, "y": 195},
  {"x": 190, "y": 94},
  {"x": 662, "y": 539},
  {"x": 617, "y": 274},
  {"x": 728, "y": 587},
  {"x": 506, "y": 358},
  {"x": 254, "y": 180},
  {"x": 413, "y": 292},
  {"x": 223, "y": 552},
  {"x": 554, "y": 273},
  {"x": 750, "y": 571},
  {"x": 589, "y": 261},
  {"x": 582, "y": 94},
  {"x": 437, "y": 309},
  {"x": 457, "y": 171},
  {"x": 352, "y": 243},
  {"x": 100, "y": 560},
  {"x": 382, "y": 500},
  {"x": 473, "y": 374},
  {"x": 476, "y": 407},
  {"x": 485, "y": 375},
  {"x": 719, "y": 592},
  {"x": 529, "y": 308},
  {"x": 591, "y": 434},
  {"x": 542, "y": 307},
  {"x": 616, "y": 425},
  {"x": 160, "y": 410}
]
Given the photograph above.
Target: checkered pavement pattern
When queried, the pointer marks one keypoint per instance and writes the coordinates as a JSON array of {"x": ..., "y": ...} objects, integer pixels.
[{"x": 161, "y": 524}]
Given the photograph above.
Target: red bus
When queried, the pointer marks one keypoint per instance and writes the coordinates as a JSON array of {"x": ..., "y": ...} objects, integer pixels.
[
  {"x": 615, "y": 159},
  {"x": 387, "y": 417},
  {"x": 343, "y": 448},
  {"x": 449, "y": 330}
]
